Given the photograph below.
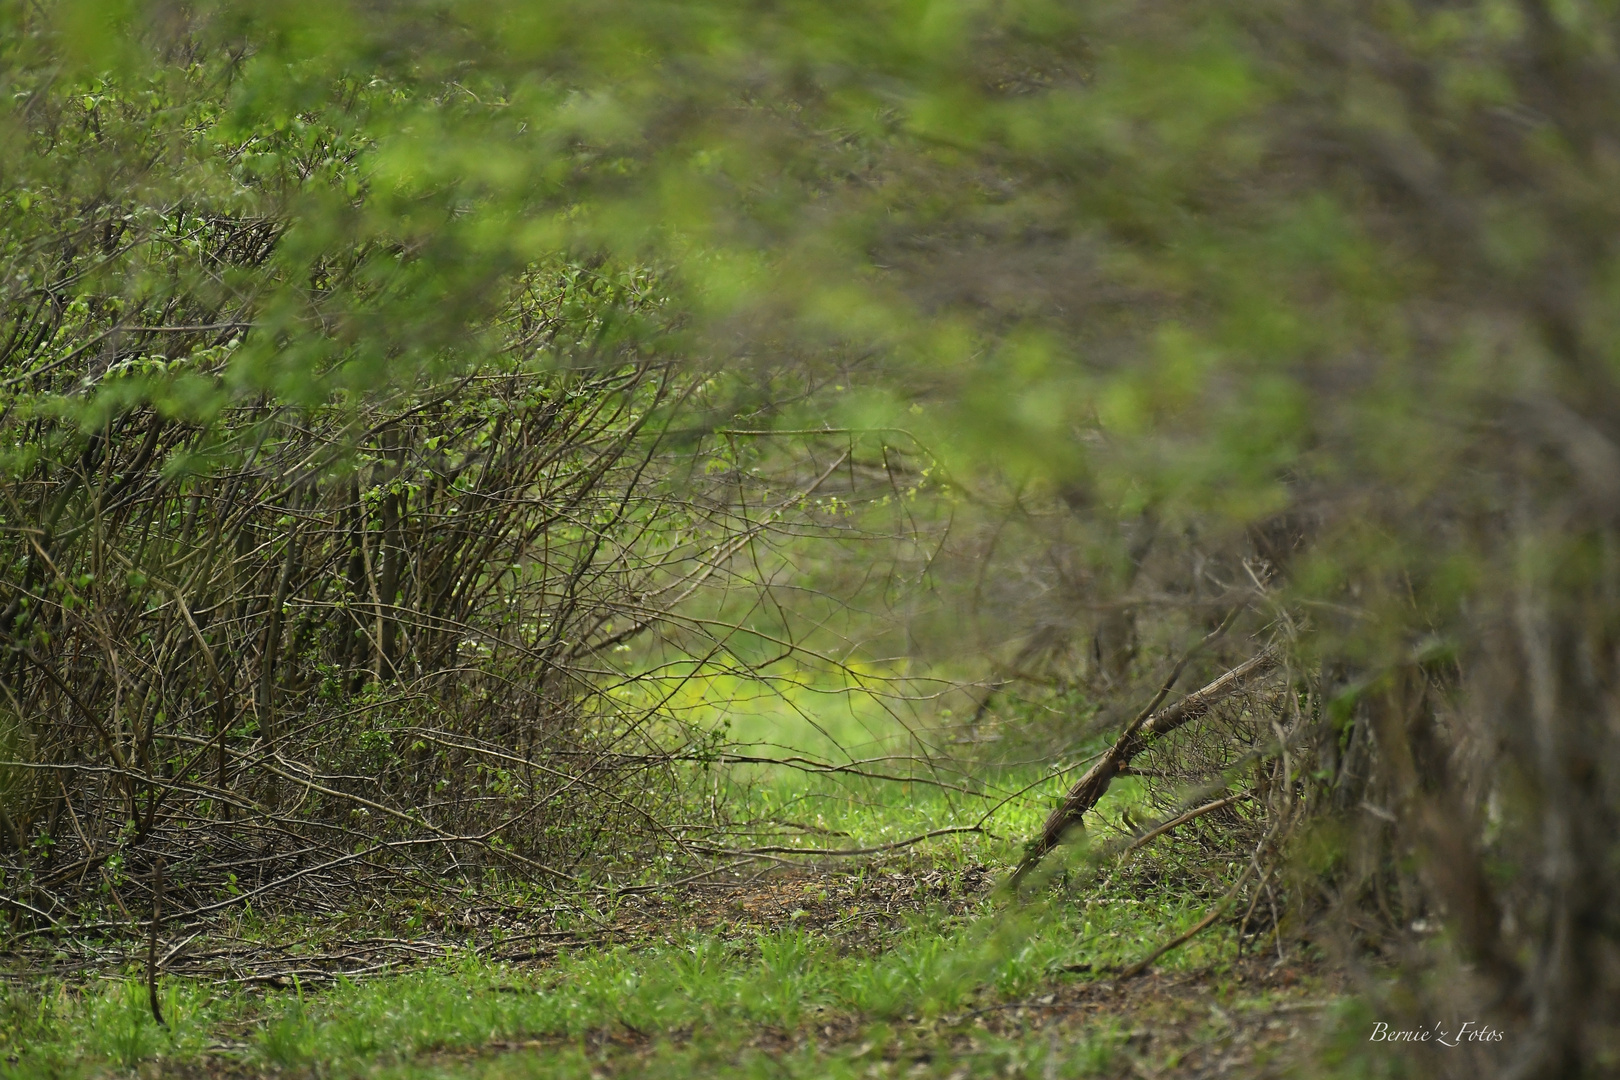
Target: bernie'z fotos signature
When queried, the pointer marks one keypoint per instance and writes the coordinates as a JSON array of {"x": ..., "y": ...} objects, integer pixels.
[{"x": 1436, "y": 1033}]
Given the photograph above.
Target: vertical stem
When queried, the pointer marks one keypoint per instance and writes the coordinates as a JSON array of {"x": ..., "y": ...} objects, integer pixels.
[{"x": 151, "y": 942}]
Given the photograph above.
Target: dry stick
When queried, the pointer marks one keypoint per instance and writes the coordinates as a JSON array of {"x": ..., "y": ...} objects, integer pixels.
[
  {"x": 1137, "y": 735},
  {"x": 151, "y": 942},
  {"x": 95, "y": 718},
  {"x": 722, "y": 554},
  {"x": 1214, "y": 912},
  {"x": 13, "y": 833},
  {"x": 1207, "y": 808},
  {"x": 1203, "y": 924},
  {"x": 907, "y": 842},
  {"x": 440, "y": 836},
  {"x": 221, "y": 694},
  {"x": 1243, "y": 923}
]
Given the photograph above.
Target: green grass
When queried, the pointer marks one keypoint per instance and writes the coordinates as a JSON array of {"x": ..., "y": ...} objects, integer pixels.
[
  {"x": 689, "y": 996},
  {"x": 866, "y": 721},
  {"x": 710, "y": 1004},
  {"x": 880, "y": 1053}
]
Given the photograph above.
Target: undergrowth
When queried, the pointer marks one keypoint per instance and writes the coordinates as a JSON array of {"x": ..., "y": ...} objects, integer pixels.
[
  {"x": 694, "y": 994},
  {"x": 837, "y": 991}
]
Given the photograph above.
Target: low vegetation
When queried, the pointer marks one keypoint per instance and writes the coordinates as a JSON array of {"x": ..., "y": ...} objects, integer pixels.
[{"x": 896, "y": 964}]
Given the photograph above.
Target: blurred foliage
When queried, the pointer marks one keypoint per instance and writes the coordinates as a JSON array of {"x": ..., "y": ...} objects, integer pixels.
[{"x": 1325, "y": 290}]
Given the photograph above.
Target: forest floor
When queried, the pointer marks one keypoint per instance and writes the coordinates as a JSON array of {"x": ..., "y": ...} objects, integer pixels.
[
  {"x": 1256, "y": 1016},
  {"x": 910, "y": 967},
  {"x": 913, "y": 963}
]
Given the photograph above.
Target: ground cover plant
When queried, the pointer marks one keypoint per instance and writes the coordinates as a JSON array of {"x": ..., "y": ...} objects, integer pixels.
[
  {"x": 889, "y": 504},
  {"x": 931, "y": 977}
]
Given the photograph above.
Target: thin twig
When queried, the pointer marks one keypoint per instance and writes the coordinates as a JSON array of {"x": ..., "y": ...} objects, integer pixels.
[
  {"x": 151, "y": 942},
  {"x": 1207, "y": 808}
]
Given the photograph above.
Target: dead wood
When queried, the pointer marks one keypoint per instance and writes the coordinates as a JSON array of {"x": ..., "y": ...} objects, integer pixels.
[
  {"x": 1181, "y": 819},
  {"x": 1137, "y": 736},
  {"x": 151, "y": 943}
]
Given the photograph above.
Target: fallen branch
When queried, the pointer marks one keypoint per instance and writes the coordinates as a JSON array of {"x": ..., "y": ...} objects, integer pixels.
[
  {"x": 1199, "y": 927},
  {"x": 1220, "y": 907},
  {"x": 1198, "y": 812},
  {"x": 1141, "y": 732},
  {"x": 907, "y": 842}
]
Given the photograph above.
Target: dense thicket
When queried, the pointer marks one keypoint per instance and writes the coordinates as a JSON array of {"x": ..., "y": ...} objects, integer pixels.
[{"x": 299, "y": 632}]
